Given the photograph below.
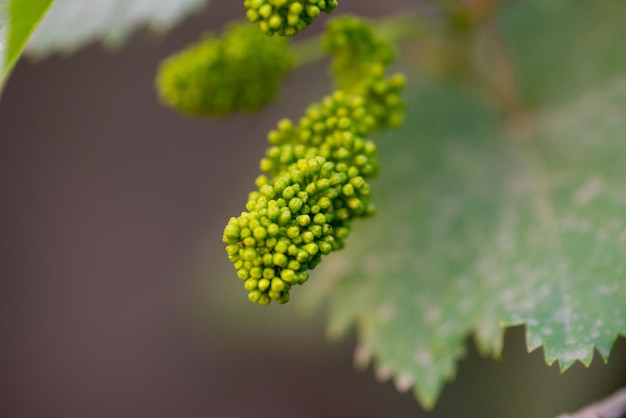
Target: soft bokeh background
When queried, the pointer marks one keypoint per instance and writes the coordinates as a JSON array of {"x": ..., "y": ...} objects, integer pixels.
[{"x": 116, "y": 298}]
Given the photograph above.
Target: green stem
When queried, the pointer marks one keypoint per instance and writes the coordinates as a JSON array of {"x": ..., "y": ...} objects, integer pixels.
[
  {"x": 308, "y": 51},
  {"x": 393, "y": 30}
]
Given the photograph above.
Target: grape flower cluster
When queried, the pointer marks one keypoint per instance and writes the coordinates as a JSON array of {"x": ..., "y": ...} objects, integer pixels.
[
  {"x": 286, "y": 17},
  {"x": 315, "y": 173},
  {"x": 241, "y": 70}
]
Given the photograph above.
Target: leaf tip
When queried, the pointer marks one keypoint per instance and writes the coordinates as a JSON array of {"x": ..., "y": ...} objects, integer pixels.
[
  {"x": 362, "y": 356},
  {"x": 404, "y": 382},
  {"x": 427, "y": 398},
  {"x": 383, "y": 373}
]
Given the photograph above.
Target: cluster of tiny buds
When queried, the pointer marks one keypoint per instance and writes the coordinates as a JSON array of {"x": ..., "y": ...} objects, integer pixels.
[
  {"x": 286, "y": 17},
  {"x": 385, "y": 104},
  {"x": 239, "y": 71},
  {"x": 319, "y": 170},
  {"x": 352, "y": 41},
  {"x": 290, "y": 222},
  {"x": 333, "y": 129},
  {"x": 316, "y": 171},
  {"x": 360, "y": 60}
]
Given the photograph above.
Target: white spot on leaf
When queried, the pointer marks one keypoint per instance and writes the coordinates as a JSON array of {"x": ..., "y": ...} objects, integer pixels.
[
  {"x": 423, "y": 357},
  {"x": 589, "y": 191},
  {"x": 386, "y": 312},
  {"x": 432, "y": 315}
]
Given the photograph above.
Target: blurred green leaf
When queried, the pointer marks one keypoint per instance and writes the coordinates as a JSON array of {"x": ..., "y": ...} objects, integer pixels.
[
  {"x": 478, "y": 229},
  {"x": 72, "y": 24},
  {"x": 485, "y": 224},
  {"x": 561, "y": 48},
  {"x": 17, "y": 21}
]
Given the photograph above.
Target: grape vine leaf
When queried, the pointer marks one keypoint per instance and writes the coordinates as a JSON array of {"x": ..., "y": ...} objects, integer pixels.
[
  {"x": 72, "y": 24},
  {"x": 17, "y": 21},
  {"x": 482, "y": 224}
]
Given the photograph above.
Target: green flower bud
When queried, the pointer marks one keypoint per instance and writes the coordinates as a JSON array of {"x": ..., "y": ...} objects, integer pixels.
[
  {"x": 324, "y": 247},
  {"x": 287, "y": 275},
  {"x": 295, "y": 204},
  {"x": 256, "y": 273},
  {"x": 302, "y": 256},
  {"x": 278, "y": 285},
  {"x": 231, "y": 233},
  {"x": 307, "y": 236},
  {"x": 248, "y": 254},
  {"x": 263, "y": 284},
  {"x": 259, "y": 232},
  {"x": 281, "y": 246},
  {"x": 316, "y": 230},
  {"x": 255, "y": 296},
  {"x": 251, "y": 284},
  {"x": 265, "y": 299},
  {"x": 285, "y": 217},
  {"x": 311, "y": 248},
  {"x": 284, "y": 298},
  {"x": 232, "y": 250}
]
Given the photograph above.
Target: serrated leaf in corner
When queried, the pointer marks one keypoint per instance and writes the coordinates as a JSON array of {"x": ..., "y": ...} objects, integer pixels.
[
  {"x": 482, "y": 225},
  {"x": 482, "y": 229}
]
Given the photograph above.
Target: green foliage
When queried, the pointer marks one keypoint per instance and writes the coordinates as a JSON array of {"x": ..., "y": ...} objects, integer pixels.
[
  {"x": 286, "y": 17},
  {"x": 562, "y": 48},
  {"x": 480, "y": 239},
  {"x": 241, "y": 70},
  {"x": 485, "y": 223},
  {"x": 317, "y": 185},
  {"x": 72, "y": 24},
  {"x": 17, "y": 21}
]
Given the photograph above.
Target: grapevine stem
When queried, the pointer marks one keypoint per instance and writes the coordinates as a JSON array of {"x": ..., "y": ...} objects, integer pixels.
[
  {"x": 504, "y": 80},
  {"x": 498, "y": 79},
  {"x": 612, "y": 407}
]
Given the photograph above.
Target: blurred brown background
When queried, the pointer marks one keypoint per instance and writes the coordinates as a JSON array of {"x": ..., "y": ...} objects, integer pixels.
[{"x": 116, "y": 298}]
